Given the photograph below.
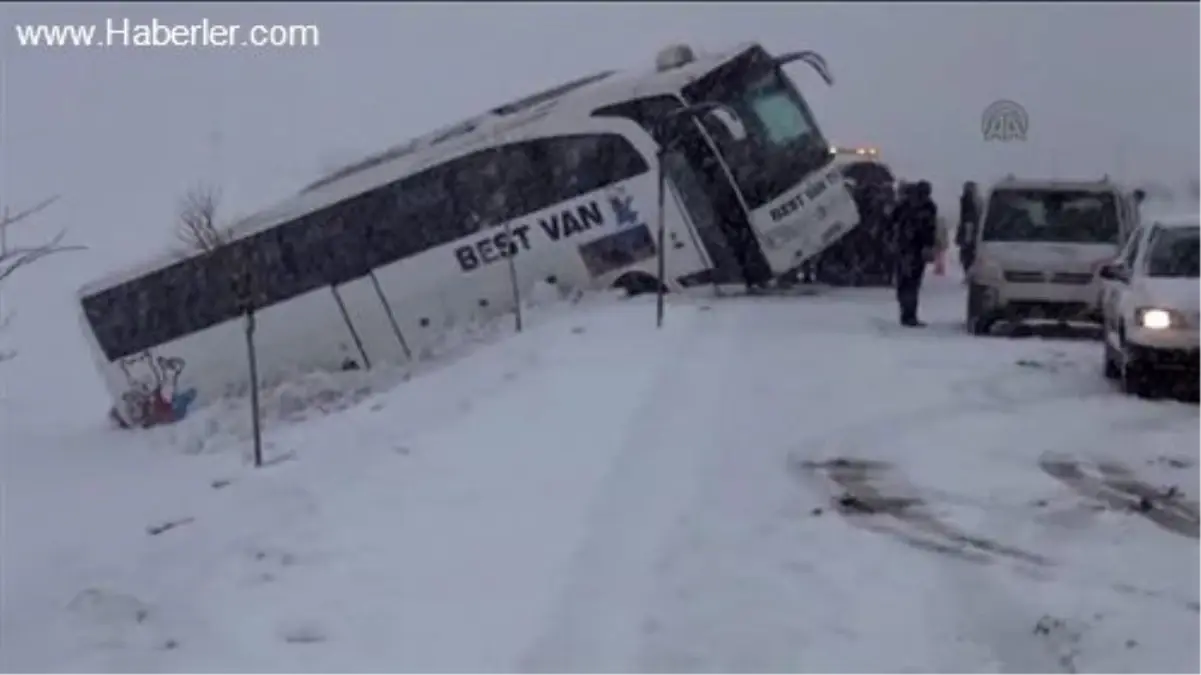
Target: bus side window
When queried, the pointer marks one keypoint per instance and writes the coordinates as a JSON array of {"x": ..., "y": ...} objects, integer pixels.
[
  {"x": 404, "y": 209},
  {"x": 120, "y": 318},
  {"x": 363, "y": 228},
  {"x": 592, "y": 162},
  {"x": 154, "y": 304},
  {"x": 221, "y": 268},
  {"x": 314, "y": 256},
  {"x": 522, "y": 173},
  {"x": 476, "y": 185},
  {"x": 343, "y": 239},
  {"x": 424, "y": 204},
  {"x": 388, "y": 233},
  {"x": 618, "y": 159},
  {"x": 199, "y": 298},
  {"x": 246, "y": 280},
  {"x": 169, "y": 303}
]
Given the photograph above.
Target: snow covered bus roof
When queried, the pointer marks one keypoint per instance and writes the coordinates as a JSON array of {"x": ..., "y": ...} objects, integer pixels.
[{"x": 576, "y": 98}]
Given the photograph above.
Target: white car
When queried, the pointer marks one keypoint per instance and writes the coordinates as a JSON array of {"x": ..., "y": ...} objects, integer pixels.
[{"x": 1151, "y": 305}]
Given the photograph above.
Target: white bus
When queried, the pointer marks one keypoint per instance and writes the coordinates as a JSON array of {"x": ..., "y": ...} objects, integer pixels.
[{"x": 374, "y": 262}]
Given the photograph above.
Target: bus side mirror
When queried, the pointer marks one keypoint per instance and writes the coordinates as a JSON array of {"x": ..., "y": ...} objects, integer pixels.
[{"x": 812, "y": 59}]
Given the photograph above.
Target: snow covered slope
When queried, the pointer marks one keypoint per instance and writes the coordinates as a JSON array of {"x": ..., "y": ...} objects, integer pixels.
[{"x": 766, "y": 484}]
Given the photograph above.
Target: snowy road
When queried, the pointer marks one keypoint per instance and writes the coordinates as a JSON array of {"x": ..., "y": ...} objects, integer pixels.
[{"x": 596, "y": 495}]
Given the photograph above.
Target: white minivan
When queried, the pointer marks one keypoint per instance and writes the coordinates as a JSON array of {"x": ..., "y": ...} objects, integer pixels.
[{"x": 1039, "y": 248}]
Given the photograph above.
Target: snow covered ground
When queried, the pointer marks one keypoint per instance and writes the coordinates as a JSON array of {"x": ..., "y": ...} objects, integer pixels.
[{"x": 766, "y": 484}]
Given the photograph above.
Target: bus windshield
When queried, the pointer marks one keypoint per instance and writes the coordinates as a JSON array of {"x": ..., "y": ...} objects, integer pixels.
[
  {"x": 783, "y": 143},
  {"x": 1065, "y": 216}
]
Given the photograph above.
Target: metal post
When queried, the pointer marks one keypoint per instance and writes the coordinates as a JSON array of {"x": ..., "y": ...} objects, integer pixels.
[
  {"x": 662, "y": 252},
  {"x": 665, "y": 138},
  {"x": 512, "y": 253},
  {"x": 383, "y": 299},
  {"x": 3, "y": 253},
  {"x": 252, "y": 357},
  {"x": 354, "y": 333}
]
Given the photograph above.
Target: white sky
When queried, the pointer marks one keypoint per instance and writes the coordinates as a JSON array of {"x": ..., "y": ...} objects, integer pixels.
[{"x": 122, "y": 132}]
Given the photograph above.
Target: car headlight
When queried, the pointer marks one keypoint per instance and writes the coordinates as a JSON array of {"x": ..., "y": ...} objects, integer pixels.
[{"x": 1154, "y": 318}]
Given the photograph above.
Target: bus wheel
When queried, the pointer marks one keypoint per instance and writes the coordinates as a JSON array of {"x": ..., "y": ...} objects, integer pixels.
[{"x": 637, "y": 283}]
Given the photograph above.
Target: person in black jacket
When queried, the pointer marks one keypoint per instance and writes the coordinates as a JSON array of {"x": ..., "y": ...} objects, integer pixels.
[
  {"x": 969, "y": 222},
  {"x": 915, "y": 223}
]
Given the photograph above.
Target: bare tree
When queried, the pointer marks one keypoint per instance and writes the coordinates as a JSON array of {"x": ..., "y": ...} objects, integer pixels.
[
  {"x": 12, "y": 259},
  {"x": 198, "y": 227},
  {"x": 15, "y": 258}
]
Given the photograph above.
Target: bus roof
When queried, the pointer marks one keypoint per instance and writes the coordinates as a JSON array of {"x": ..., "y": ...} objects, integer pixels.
[{"x": 578, "y": 97}]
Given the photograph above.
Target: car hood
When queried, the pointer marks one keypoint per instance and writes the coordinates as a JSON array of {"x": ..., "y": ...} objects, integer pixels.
[
  {"x": 1179, "y": 294},
  {"x": 1047, "y": 256}
]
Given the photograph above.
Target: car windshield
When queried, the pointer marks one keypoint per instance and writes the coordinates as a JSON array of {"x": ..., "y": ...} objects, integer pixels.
[
  {"x": 1069, "y": 216},
  {"x": 783, "y": 143},
  {"x": 1174, "y": 253}
]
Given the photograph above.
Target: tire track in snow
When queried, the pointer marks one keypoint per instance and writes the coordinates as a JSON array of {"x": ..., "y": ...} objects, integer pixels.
[
  {"x": 598, "y": 623},
  {"x": 994, "y": 613}
]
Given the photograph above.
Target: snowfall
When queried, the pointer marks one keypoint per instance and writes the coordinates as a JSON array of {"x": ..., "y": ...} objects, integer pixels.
[{"x": 783, "y": 483}]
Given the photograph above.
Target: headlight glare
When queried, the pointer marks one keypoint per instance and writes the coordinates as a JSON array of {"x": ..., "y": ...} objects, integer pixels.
[{"x": 1157, "y": 319}]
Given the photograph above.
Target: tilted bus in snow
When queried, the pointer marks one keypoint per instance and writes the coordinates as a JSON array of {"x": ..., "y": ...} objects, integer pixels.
[{"x": 372, "y": 263}]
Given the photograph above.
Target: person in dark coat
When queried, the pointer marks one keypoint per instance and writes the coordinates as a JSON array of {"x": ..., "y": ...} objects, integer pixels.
[
  {"x": 969, "y": 222},
  {"x": 915, "y": 223}
]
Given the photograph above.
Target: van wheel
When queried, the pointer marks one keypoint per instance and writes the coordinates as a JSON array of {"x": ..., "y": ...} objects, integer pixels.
[
  {"x": 1134, "y": 375},
  {"x": 638, "y": 283},
  {"x": 979, "y": 320},
  {"x": 1136, "y": 379}
]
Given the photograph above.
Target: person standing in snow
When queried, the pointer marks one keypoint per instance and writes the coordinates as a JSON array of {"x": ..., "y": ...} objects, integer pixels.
[
  {"x": 969, "y": 221},
  {"x": 914, "y": 223}
]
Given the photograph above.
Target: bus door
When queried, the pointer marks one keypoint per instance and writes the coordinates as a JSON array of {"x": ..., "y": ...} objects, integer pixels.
[
  {"x": 700, "y": 220},
  {"x": 732, "y": 245}
]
